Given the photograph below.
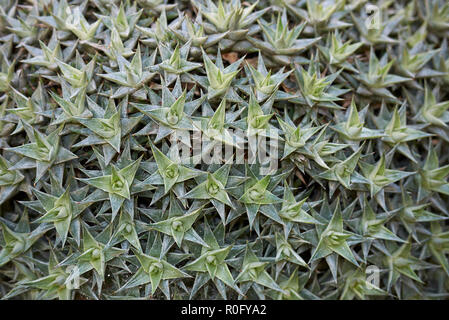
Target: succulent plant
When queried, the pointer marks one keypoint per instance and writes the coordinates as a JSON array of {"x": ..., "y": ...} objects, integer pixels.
[
  {"x": 317, "y": 89},
  {"x": 436, "y": 15},
  {"x": 265, "y": 83},
  {"x": 323, "y": 16},
  {"x": 375, "y": 77},
  {"x": 333, "y": 239},
  {"x": 6, "y": 74},
  {"x": 433, "y": 112},
  {"x": 132, "y": 75},
  {"x": 336, "y": 52},
  {"x": 78, "y": 24},
  {"x": 231, "y": 17},
  {"x": 176, "y": 63},
  {"x": 194, "y": 31},
  {"x": 160, "y": 31},
  {"x": 412, "y": 61},
  {"x": 219, "y": 78},
  {"x": 271, "y": 149},
  {"x": 121, "y": 19},
  {"x": 280, "y": 42},
  {"x": 377, "y": 30}
]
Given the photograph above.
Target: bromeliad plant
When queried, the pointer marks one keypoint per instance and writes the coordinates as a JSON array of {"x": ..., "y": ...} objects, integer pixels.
[{"x": 271, "y": 149}]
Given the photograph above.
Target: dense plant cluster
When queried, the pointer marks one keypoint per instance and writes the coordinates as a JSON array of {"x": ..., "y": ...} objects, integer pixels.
[{"x": 97, "y": 203}]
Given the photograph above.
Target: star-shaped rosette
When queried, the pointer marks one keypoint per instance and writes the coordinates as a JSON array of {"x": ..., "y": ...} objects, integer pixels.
[
  {"x": 397, "y": 131},
  {"x": 10, "y": 180},
  {"x": 132, "y": 76},
  {"x": 294, "y": 212},
  {"x": 94, "y": 254},
  {"x": 107, "y": 127},
  {"x": 58, "y": 281},
  {"x": 285, "y": 252},
  {"x": 215, "y": 129},
  {"x": 372, "y": 227},
  {"x": 413, "y": 213},
  {"x": 73, "y": 105},
  {"x": 212, "y": 260},
  {"x": 295, "y": 137},
  {"x": 353, "y": 128},
  {"x": 169, "y": 173},
  {"x": 213, "y": 188},
  {"x": 17, "y": 243},
  {"x": 254, "y": 270},
  {"x": 266, "y": 84},
  {"x": 334, "y": 239},
  {"x": 116, "y": 182},
  {"x": 175, "y": 63},
  {"x": 154, "y": 268},
  {"x": 256, "y": 193},
  {"x": 172, "y": 115},
  {"x": 378, "y": 177},
  {"x": 59, "y": 209},
  {"x": 344, "y": 171},
  {"x": 179, "y": 224},
  {"x": 43, "y": 151},
  {"x": 431, "y": 177},
  {"x": 218, "y": 78}
]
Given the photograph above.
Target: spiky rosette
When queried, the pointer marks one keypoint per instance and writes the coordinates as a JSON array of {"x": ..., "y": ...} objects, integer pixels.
[{"x": 271, "y": 149}]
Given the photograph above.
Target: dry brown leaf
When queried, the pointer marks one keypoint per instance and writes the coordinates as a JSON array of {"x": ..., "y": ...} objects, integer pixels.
[
  {"x": 300, "y": 177},
  {"x": 230, "y": 57},
  {"x": 252, "y": 61},
  {"x": 287, "y": 89}
]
